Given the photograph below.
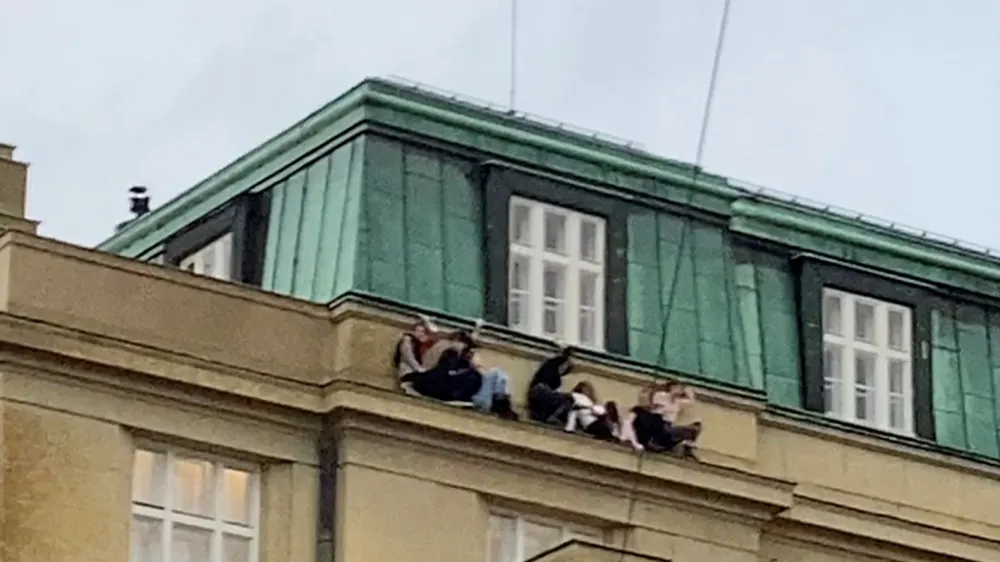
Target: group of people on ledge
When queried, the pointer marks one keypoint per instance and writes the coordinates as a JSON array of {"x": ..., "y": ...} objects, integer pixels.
[{"x": 445, "y": 366}]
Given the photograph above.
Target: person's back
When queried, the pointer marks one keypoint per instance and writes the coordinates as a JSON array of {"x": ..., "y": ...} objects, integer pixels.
[{"x": 546, "y": 403}]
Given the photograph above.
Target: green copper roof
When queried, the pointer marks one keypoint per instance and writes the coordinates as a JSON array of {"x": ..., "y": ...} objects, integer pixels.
[{"x": 593, "y": 161}]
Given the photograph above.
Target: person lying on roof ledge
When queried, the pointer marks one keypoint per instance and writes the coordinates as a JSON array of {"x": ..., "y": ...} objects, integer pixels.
[{"x": 450, "y": 370}]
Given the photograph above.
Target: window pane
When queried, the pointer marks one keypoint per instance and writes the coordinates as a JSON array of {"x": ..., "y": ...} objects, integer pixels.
[
  {"x": 864, "y": 404},
  {"x": 208, "y": 260},
  {"x": 193, "y": 486},
  {"x": 555, "y": 232},
  {"x": 552, "y": 320},
  {"x": 864, "y": 369},
  {"x": 554, "y": 281},
  {"x": 588, "y": 330},
  {"x": 502, "y": 539},
  {"x": 520, "y": 271},
  {"x": 897, "y": 419},
  {"x": 832, "y": 361},
  {"x": 190, "y": 544},
  {"x": 518, "y": 311},
  {"x": 148, "y": 477},
  {"x": 520, "y": 224},
  {"x": 236, "y": 549},
  {"x": 864, "y": 322},
  {"x": 236, "y": 487},
  {"x": 538, "y": 538},
  {"x": 147, "y": 540},
  {"x": 223, "y": 258},
  {"x": 833, "y": 378},
  {"x": 864, "y": 385},
  {"x": 588, "y": 241},
  {"x": 896, "y": 330},
  {"x": 897, "y": 373},
  {"x": 832, "y": 317},
  {"x": 588, "y": 289},
  {"x": 833, "y": 399}
]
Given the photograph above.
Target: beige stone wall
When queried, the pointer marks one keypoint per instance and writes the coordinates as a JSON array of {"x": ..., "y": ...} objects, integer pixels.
[{"x": 66, "y": 487}]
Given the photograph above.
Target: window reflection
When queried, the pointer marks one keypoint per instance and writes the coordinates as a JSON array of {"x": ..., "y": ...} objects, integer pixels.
[
  {"x": 193, "y": 486},
  {"x": 148, "y": 477},
  {"x": 236, "y": 487}
]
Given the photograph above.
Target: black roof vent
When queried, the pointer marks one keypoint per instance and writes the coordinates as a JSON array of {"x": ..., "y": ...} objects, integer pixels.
[{"x": 139, "y": 201}]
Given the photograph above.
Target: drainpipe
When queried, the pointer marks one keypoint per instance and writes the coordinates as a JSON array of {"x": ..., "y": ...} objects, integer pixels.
[{"x": 328, "y": 466}]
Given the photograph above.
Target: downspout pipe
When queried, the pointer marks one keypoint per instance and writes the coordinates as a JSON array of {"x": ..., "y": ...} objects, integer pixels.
[{"x": 329, "y": 459}]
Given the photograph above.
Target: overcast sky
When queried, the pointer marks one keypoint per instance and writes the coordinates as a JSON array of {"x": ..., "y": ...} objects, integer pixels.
[{"x": 890, "y": 107}]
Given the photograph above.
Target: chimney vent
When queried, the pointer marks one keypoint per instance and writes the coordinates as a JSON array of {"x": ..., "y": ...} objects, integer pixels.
[{"x": 139, "y": 201}]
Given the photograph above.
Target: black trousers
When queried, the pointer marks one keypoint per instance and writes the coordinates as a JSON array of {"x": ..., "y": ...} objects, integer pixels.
[
  {"x": 548, "y": 405},
  {"x": 443, "y": 385},
  {"x": 652, "y": 430}
]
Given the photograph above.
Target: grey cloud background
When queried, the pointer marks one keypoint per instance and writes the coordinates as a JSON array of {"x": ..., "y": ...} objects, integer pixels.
[{"x": 890, "y": 107}]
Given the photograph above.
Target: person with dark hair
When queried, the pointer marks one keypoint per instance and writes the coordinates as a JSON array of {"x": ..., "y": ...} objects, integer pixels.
[
  {"x": 546, "y": 403},
  {"x": 652, "y": 424},
  {"x": 597, "y": 420},
  {"x": 452, "y": 373}
]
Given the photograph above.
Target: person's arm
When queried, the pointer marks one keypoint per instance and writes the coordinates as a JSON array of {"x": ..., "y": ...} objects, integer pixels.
[
  {"x": 628, "y": 433},
  {"x": 475, "y": 361},
  {"x": 687, "y": 399},
  {"x": 407, "y": 356},
  {"x": 571, "y": 421},
  {"x": 477, "y": 329},
  {"x": 433, "y": 355},
  {"x": 549, "y": 369}
]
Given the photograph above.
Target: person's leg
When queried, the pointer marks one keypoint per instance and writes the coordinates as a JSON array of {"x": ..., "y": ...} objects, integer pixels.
[
  {"x": 547, "y": 405},
  {"x": 643, "y": 429},
  {"x": 494, "y": 382},
  {"x": 465, "y": 385},
  {"x": 539, "y": 403},
  {"x": 601, "y": 428},
  {"x": 492, "y": 396},
  {"x": 679, "y": 433}
]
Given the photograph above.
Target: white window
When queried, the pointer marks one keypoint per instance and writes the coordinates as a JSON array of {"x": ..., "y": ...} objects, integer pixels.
[
  {"x": 556, "y": 273},
  {"x": 516, "y": 538},
  {"x": 191, "y": 508},
  {"x": 214, "y": 259},
  {"x": 867, "y": 361}
]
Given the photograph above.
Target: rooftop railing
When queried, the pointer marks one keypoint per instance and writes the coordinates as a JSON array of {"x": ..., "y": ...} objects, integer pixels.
[
  {"x": 750, "y": 188},
  {"x": 840, "y": 212}
]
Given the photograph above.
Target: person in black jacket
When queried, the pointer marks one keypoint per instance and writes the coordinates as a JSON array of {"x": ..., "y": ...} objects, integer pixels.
[{"x": 546, "y": 403}]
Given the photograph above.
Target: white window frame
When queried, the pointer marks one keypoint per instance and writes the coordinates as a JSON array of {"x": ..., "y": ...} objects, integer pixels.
[
  {"x": 219, "y": 527},
  {"x": 534, "y": 251},
  {"x": 850, "y": 345},
  {"x": 569, "y": 531},
  {"x": 216, "y": 256}
]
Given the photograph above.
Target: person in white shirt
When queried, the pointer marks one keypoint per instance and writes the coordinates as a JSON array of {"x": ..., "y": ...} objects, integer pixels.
[{"x": 598, "y": 420}]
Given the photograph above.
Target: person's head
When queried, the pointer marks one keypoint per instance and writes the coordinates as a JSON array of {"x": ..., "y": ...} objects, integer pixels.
[
  {"x": 587, "y": 389},
  {"x": 655, "y": 395},
  {"x": 674, "y": 388},
  {"x": 423, "y": 330},
  {"x": 466, "y": 339}
]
